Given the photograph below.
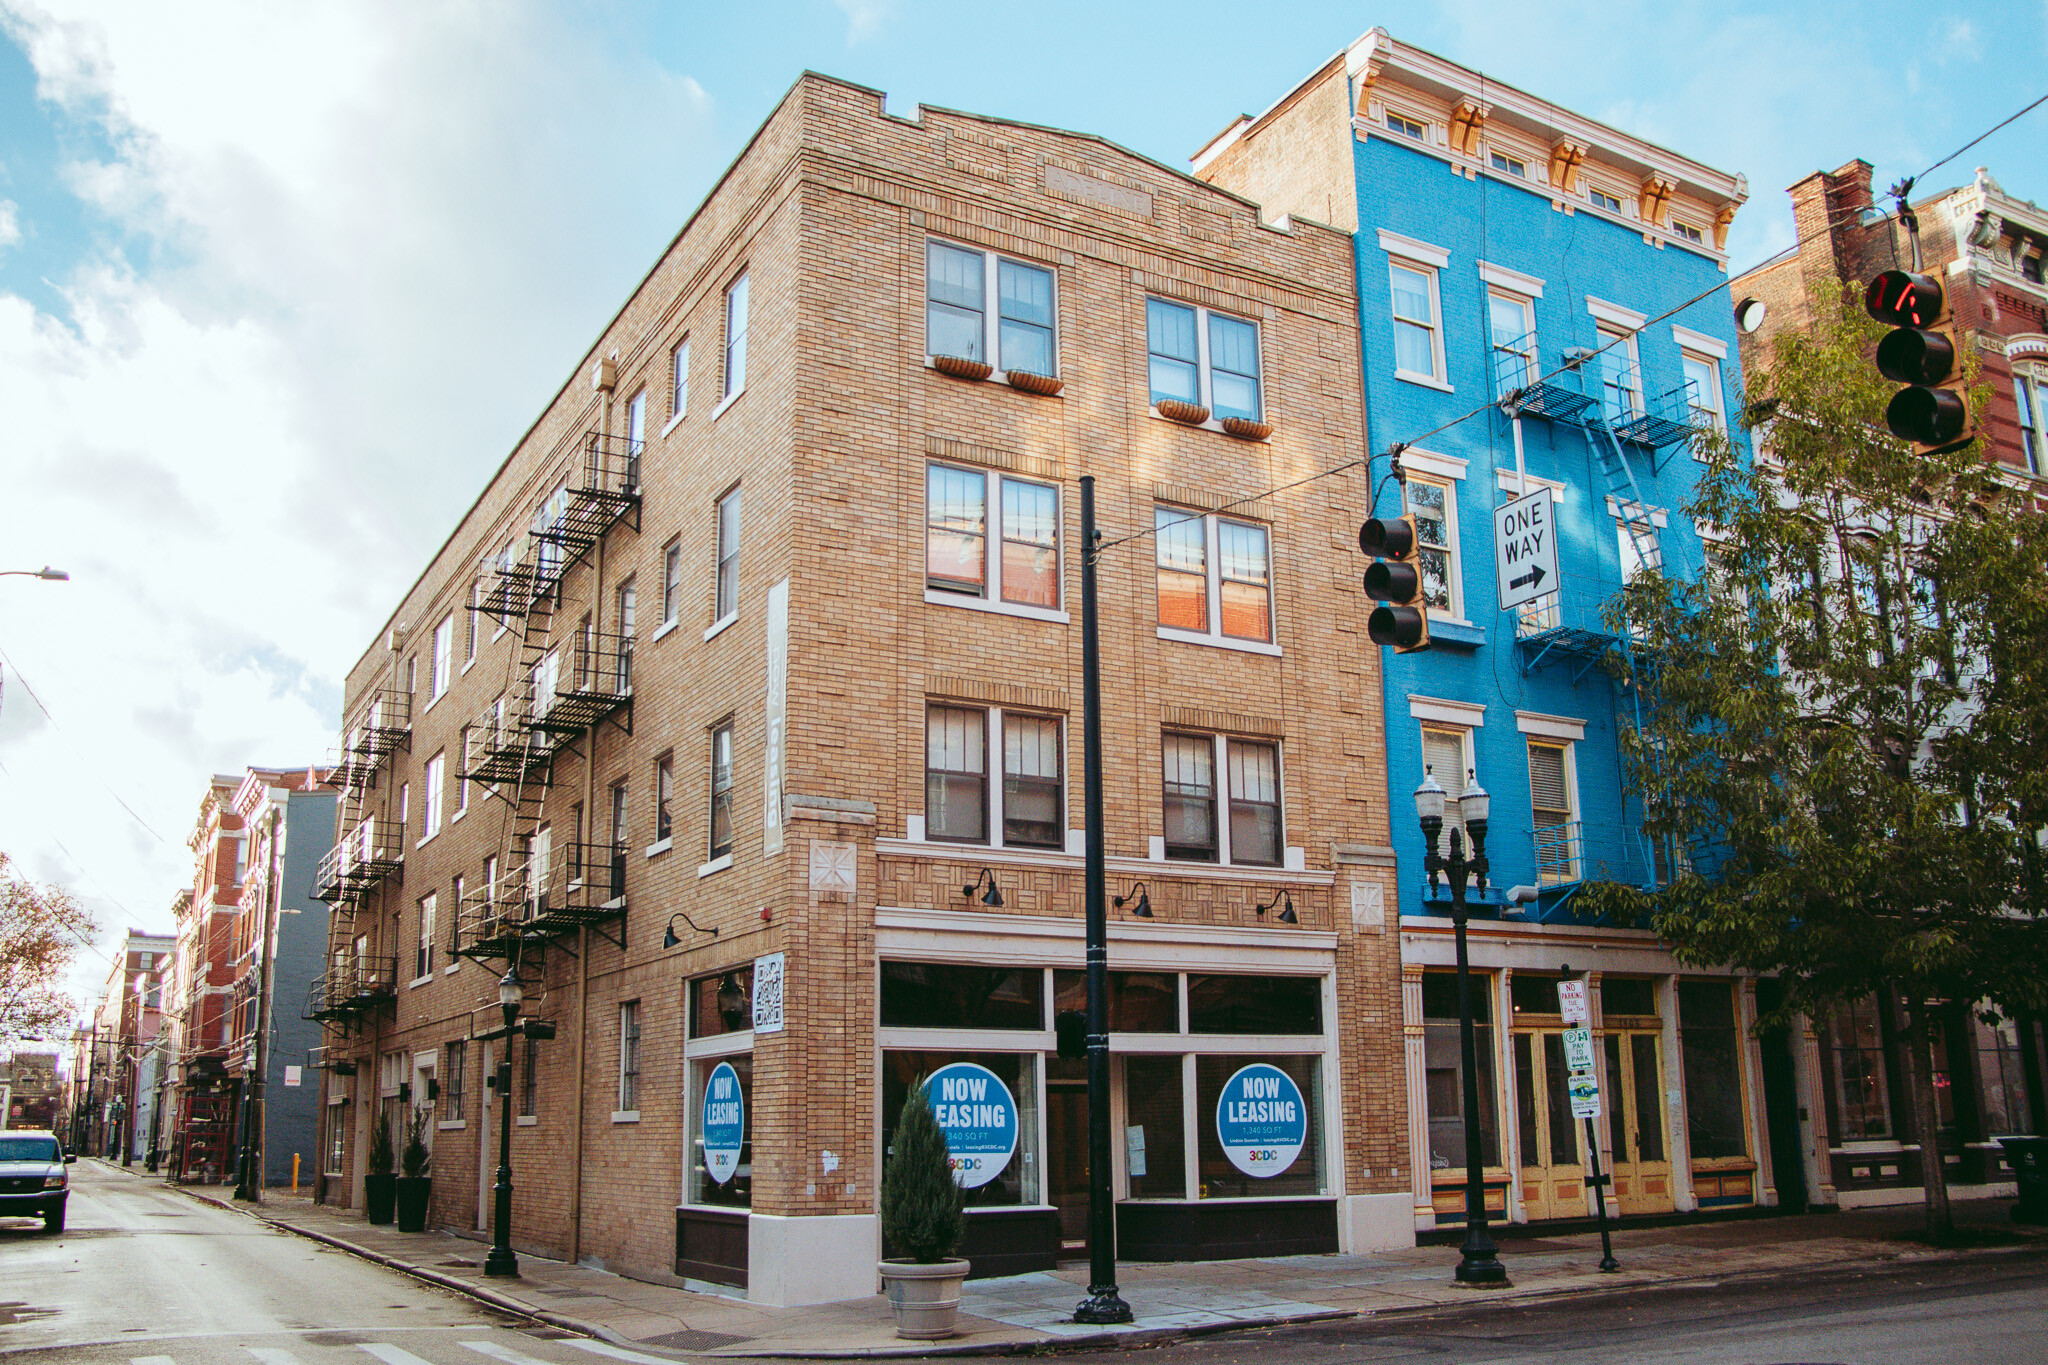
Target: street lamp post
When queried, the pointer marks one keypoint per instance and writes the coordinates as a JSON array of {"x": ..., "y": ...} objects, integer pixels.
[
  {"x": 46, "y": 572},
  {"x": 1478, "y": 1265},
  {"x": 501, "y": 1261}
]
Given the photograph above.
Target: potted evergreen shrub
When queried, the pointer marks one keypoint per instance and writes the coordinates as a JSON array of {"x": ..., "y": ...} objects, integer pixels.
[
  {"x": 414, "y": 1185},
  {"x": 380, "y": 1181},
  {"x": 922, "y": 1219}
]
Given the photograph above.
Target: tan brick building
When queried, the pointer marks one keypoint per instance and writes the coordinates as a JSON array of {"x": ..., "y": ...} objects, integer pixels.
[{"x": 778, "y": 649}]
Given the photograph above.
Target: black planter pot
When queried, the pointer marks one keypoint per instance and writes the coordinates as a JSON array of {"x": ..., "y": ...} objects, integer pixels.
[
  {"x": 412, "y": 1202},
  {"x": 2029, "y": 1159},
  {"x": 379, "y": 1195}
]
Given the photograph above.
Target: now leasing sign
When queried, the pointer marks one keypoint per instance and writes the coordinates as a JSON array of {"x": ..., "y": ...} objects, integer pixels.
[
  {"x": 1525, "y": 549},
  {"x": 978, "y": 1115},
  {"x": 1261, "y": 1120}
]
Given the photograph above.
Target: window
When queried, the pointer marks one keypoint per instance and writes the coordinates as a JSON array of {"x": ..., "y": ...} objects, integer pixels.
[
  {"x": 1253, "y": 834},
  {"x": 1637, "y": 542},
  {"x": 664, "y": 792},
  {"x": 1208, "y": 359},
  {"x": 1434, "y": 506},
  {"x": 671, "y": 582},
  {"x": 679, "y": 380},
  {"x": 455, "y": 893},
  {"x": 1186, "y": 545},
  {"x": 727, "y": 590},
  {"x": 1512, "y": 324},
  {"x": 1418, "y": 340},
  {"x": 1702, "y": 391},
  {"x": 412, "y": 675},
  {"x": 1601, "y": 199},
  {"x": 1444, "y": 1071},
  {"x": 453, "y": 1056},
  {"x": 1508, "y": 165},
  {"x": 441, "y": 669},
  {"x": 1406, "y": 127},
  {"x": 1852, "y": 1056},
  {"x": 1711, "y": 1064},
  {"x": 636, "y": 423},
  {"x": 2001, "y": 1077},
  {"x": 629, "y": 1058},
  {"x": 490, "y": 880},
  {"x": 735, "y": 338},
  {"x": 1688, "y": 232},
  {"x": 1621, "y": 378},
  {"x": 1024, "y": 572},
  {"x": 721, "y": 791},
  {"x": 2028, "y": 392},
  {"x": 1550, "y": 805},
  {"x": 623, "y": 608},
  {"x": 423, "y": 955},
  {"x": 1447, "y": 756},
  {"x": 469, "y": 628},
  {"x": 1011, "y": 331},
  {"x": 723, "y": 1086},
  {"x": 619, "y": 840},
  {"x": 404, "y": 813},
  {"x": 1030, "y": 806},
  {"x": 432, "y": 803},
  {"x": 528, "y": 1080}
]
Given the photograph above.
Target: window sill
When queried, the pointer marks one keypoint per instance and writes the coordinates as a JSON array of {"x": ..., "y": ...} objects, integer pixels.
[
  {"x": 935, "y": 597},
  {"x": 469, "y": 663},
  {"x": 728, "y": 401},
  {"x": 660, "y": 846},
  {"x": 667, "y": 628},
  {"x": 675, "y": 421},
  {"x": 718, "y": 864},
  {"x": 426, "y": 839},
  {"x": 1219, "y": 642},
  {"x": 625, "y": 1116},
  {"x": 1426, "y": 381},
  {"x": 526, "y": 1120},
  {"x": 446, "y": 1125},
  {"x": 718, "y": 627},
  {"x": 1214, "y": 424},
  {"x": 420, "y": 981},
  {"x": 1462, "y": 634},
  {"x": 451, "y": 969}
]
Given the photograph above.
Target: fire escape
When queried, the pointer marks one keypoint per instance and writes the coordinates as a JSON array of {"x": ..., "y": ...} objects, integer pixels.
[
  {"x": 565, "y": 681},
  {"x": 369, "y": 851}
]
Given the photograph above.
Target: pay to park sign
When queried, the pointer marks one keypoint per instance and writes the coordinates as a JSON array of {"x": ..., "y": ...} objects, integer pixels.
[
  {"x": 1261, "y": 1120},
  {"x": 978, "y": 1115},
  {"x": 1525, "y": 549}
]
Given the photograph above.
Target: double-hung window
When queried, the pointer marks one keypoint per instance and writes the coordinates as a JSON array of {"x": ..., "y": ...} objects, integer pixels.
[
  {"x": 1208, "y": 359},
  {"x": 1204, "y": 558},
  {"x": 1418, "y": 332},
  {"x": 671, "y": 582},
  {"x": 437, "y": 767},
  {"x": 735, "y": 338},
  {"x": 624, "y": 606},
  {"x": 1510, "y": 165},
  {"x": 726, "y": 590},
  {"x": 1637, "y": 543},
  {"x": 453, "y": 1057},
  {"x": 2028, "y": 393},
  {"x": 1702, "y": 391},
  {"x": 981, "y": 306},
  {"x": 1253, "y": 833},
  {"x": 441, "y": 669},
  {"x": 679, "y": 381},
  {"x": 1027, "y": 809},
  {"x": 1552, "y": 813},
  {"x": 1433, "y": 503},
  {"x": 721, "y": 791},
  {"x": 629, "y": 1060},
  {"x": 664, "y": 793},
  {"x": 423, "y": 955},
  {"x": 1023, "y": 572},
  {"x": 1621, "y": 377},
  {"x": 1447, "y": 756},
  {"x": 1511, "y": 321},
  {"x": 1601, "y": 199},
  {"x": 636, "y": 424}
]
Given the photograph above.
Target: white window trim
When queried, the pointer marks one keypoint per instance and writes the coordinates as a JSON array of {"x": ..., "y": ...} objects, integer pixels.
[
  {"x": 1501, "y": 277},
  {"x": 1719, "y": 397},
  {"x": 675, "y": 418},
  {"x": 718, "y": 557},
  {"x": 1506, "y": 480},
  {"x": 1545, "y": 726},
  {"x": 1707, "y": 347},
  {"x": 1616, "y": 315},
  {"x": 1415, "y": 250},
  {"x": 1213, "y": 586},
  {"x": 667, "y": 628},
  {"x": 1573, "y": 812},
  {"x": 1449, "y": 714},
  {"x": 730, "y": 390},
  {"x": 991, "y": 302},
  {"x": 1533, "y": 366},
  {"x": 717, "y": 627},
  {"x": 1468, "y": 759},
  {"x": 1658, "y": 517},
  {"x": 660, "y": 846},
  {"x": 1290, "y": 857},
  {"x": 990, "y": 598},
  {"x": 992, "y": 777},
  {"x": 671, "y": 604},
  {"x": 723, "y": 404},
  {"x": 718, "y": 864},
  {"x": 1204, "y": 385},
  {"x": 1450, "y": 484},
  {"x": 673, "y": 423},
  {"x": 1434, "y": 274}
]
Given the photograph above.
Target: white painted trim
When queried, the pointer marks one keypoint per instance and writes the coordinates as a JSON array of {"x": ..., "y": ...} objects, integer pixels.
[
  {"x": 666, "y": 628},
  {"x": 935, "y": 597},
  {"x": 1158, "y": 866},
  {"x": 1514, "y": 281},
  {"x": 1505, "y": 479},
  {"x": 676, "y": 420},
  {"x": 1218, "y": 641},
  {"x": 661, "y": 846},
  {"x": 1426, "y": 381},
  {"x": 718, "y": 627},
  {"x": 906, "y": 934},
  {"x": 1658, "y": 518},
  {"x": 720, "y": 1045},
  {"x": 1394, "y": 244},
  {"x": 1549, "y": 727},
  {"x": 526, "y": 1120},
  {"x": 1689, "y": 340},
  {"x": 1444, "y": 712},
  {"x": 718, "y": 864},
  {"x": 625, "y": 1116},
  {"x": 728, "y": 401},
  {"x": 1627, "y": 319},
  {"x": 1434, "y": 465},
  {"x": 445, "y": 1125}
]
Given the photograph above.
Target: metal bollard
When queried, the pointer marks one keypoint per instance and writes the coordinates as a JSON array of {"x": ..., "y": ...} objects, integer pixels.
[{"x": 295, "y": 1172}]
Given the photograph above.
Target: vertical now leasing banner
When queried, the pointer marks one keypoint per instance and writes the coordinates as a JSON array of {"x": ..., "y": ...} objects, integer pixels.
[{"x": 777, "y": 717}]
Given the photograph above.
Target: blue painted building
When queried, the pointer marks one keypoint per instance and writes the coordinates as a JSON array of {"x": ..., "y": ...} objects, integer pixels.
[{"x": 1542, "y": 308}]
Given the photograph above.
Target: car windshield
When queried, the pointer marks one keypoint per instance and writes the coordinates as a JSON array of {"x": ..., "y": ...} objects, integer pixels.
[{"x": 28, "y": 1149}]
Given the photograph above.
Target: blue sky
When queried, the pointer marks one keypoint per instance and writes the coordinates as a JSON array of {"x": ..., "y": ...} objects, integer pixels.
[{"x": 280, "y": 284}]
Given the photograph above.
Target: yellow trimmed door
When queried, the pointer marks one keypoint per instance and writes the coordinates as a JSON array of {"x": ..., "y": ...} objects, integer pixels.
[
  {"x": 1553, "y": 1160},
  {"x": 1634, "y": 1095}
]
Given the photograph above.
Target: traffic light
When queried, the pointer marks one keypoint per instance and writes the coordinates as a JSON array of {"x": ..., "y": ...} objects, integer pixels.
[
  {"x": 1919, "y": 352},
  {"x": 1402, "y": 618}
]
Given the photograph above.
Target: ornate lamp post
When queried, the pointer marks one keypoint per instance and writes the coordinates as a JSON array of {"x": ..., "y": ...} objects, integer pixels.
[
  {"x": 501, "y": 1261},
  {"x": 1478, "y": 1266}
]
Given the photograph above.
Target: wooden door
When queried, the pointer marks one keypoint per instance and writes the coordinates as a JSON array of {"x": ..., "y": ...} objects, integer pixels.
[
  {"x": 1634, "y": 1095},
  {"x": 1553, "y": 1164}
]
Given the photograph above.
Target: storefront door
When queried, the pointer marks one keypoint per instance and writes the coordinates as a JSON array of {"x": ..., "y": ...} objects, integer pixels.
[
  {"x": 1066, "y": 1140},
  {"x": 1553, "y": 1166},
  {"x": 1634, "y": 1096}
]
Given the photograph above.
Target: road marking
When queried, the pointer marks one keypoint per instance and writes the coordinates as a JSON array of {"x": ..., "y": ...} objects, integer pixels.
[
  {"x": 504, "y": 1353},
  {"x": 271, "y": 1355},
  {"x": 617, "y": 1353},
  {"x": 391, "y": 1355},
  {"x": 151, "y": 1360}
]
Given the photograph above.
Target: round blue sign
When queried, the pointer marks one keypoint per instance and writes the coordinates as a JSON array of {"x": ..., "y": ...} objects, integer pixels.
[
  {"x": 978, "y": 1115},
  {"x": 1261, "y": 1120},
  {"x": 725, "y": 1122}
]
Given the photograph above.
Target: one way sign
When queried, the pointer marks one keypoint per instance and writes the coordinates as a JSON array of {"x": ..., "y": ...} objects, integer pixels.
[{"x": 1525, "y": 549}]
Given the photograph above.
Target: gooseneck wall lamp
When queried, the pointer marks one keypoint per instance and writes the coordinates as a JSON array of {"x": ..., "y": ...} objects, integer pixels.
[
  {"x": 1283, "y": 898},
  {"x": 1143, "y": 908},
  {"x": 992, "y": 897},
  {"x": 671, "y": 939}
]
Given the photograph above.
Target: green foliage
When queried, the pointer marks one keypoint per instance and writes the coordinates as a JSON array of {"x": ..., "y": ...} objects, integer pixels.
[
  {"x": 382, "y": 1159},
  {"x": 41, "y": 930},
  {"x": 413, "y": 1160},
  {"x": 921, "y": 1206}
]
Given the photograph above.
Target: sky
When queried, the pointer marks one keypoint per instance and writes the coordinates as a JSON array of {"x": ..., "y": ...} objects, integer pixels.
[{"x": 280, "y": 285}]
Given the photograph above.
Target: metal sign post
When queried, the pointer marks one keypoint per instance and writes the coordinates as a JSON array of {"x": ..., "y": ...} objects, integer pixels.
[{"x": 1584, "y": 1090}]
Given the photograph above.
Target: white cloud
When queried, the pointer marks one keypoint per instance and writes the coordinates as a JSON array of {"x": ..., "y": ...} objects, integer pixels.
[
  {"x": 378, "y": 234},
  {"x": 864, "y": 18},
  {"x": 10, "y": 223}
]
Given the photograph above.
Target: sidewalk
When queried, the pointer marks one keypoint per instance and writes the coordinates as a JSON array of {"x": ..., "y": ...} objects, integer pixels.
[{"x": 1023, "y": 1312}]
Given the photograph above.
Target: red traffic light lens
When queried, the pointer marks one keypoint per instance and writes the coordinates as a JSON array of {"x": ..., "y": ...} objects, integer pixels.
[
  {"x": 1391, "y": 582},
  {"x": 1927, "y": 416},
  {"x": 1915, "y": 357},
  {"x": 1900, "y": 298},
  {"x": 1391, "y": 537},
  {"x": 1400, "y": 627}
]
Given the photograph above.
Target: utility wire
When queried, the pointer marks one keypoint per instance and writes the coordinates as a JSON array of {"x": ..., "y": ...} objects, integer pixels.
[
  {"x": 1981, "y": 136},
  {"x": 22, "y": 678}
]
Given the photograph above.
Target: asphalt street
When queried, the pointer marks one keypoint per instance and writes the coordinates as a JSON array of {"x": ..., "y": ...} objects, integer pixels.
[{"x": 143, "y": 1275}]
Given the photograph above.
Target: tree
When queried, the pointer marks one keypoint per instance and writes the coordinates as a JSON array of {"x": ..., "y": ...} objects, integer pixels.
[
  {"x": 41, "y": 930},
  {"x": 1845, "y": 728},
  {"x": 921, "y": 1202}
]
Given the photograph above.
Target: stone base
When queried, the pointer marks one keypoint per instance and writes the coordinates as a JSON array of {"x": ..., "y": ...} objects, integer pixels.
[{"x": 797, "y": 1261}]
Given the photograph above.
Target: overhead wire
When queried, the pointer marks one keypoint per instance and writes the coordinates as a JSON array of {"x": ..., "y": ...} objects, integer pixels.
[{"x": 22, "y": 678}]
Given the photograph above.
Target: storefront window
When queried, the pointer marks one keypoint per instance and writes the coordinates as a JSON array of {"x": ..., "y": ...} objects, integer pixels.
[
  {"x": 935, "y": 995},
  {"x": 1852, "y": 1058},
  {"x": 1708, "y": 1043},
  {"x": 1534, "y": 992},
  {"x": 722, "y": 1109},
  {"x": 1443, "y": 1071},
  {"x": 1627, "y": 995},
  {"x": 1225, "y": 1178},
  {"x": 1155, "y": 1137},
  {"x": 1139, "y": 1002},
  {"x": 1255, "y": 1004},
  {"x": 1018, "y": 1182},
  {"x": 2002, "y": 1079},
  {"x": 722, "y": 1003}
]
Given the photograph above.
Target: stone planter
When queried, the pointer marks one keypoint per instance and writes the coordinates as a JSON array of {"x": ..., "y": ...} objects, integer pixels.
[
  {"x": 413, "y": 1192},
  {"x": 924, "y": 1298},
  {"x": 1045, "y": 385},
  {"x": 1244, "y": 429},
  {"x": 1173, "y": 410},
  {"x": 380, "y": 1193},
  {"x": 960, "y": 367}
]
